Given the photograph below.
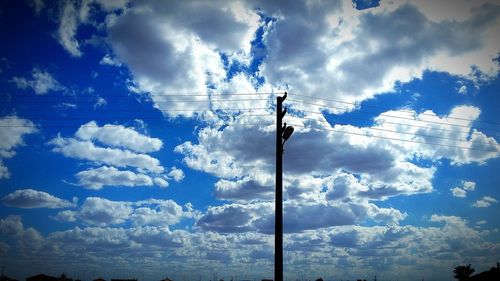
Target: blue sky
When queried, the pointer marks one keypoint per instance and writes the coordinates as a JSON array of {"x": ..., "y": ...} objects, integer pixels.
[{"x": 137, "y": 138}]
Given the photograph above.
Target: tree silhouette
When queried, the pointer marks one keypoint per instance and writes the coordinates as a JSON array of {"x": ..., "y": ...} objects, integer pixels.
[{"x": 463, "y": 272}]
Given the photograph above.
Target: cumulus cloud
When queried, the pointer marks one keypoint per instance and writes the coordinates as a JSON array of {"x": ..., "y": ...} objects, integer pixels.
[
  {"x": 259, "y": 216},
  {"x": 158, "y": 212},
  {"x": 236, "y": 151},
  {"x": 448, "y": 137},
  {"x": 178, "y": 53},
  {"x": 30, "y": 198},
  {"x": 29, "y": 240},
  {"x": 458, "y": 192},
  {"x": 87, "y": 150},
  {"x": 176, "y": 174},
  {"x": 346, "y": 44},
  {"x": 66, "y": 216},
  {"x": 13, "y": 130},
  {"x": 485, "y": 202},
  {"x": 97, "y": 178},
  {"x": 116, "y": 148},
  {"x": 447, "y": 242},
  {"x": 103, "y": 212},
  {"x": 41, "y": 82},
  {"x": 118, "y": 136},
  {"x": 462, "y": 191},
  {"x": 108, "y": 60},
  {"x": 100, "y": 211}
]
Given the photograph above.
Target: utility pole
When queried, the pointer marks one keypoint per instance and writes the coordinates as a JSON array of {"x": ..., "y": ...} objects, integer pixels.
[{"x": 282, "y": 135}]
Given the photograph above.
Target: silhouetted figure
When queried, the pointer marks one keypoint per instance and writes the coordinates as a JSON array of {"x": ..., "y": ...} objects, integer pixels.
[
  {"x": 99, "y": 279},
  {"x": 463, "y": 272},
  {"x": 319, "y": 279}
]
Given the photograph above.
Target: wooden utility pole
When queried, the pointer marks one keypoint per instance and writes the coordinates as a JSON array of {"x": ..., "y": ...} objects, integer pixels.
[{"x": 282, "y": 135}]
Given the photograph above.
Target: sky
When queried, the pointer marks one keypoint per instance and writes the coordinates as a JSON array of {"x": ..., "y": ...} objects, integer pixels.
[{"x": 137, "y": 138}]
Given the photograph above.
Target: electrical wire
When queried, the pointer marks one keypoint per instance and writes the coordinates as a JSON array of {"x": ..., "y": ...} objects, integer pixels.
[
  {"x": 211, "y": 95},
  {"x": 385, "y": 121},
  {"x": 394, "y": 139},
  {"x": 390, "y": 116},
  {"x": 112, "y": 125},
  {"x": 155, "y": 101},
  {"x": 170, "y": 94},
  {"x": 170, "y": 110},
  {"x": 399, "y": 132},
  {"x": 402, "y": 110}
]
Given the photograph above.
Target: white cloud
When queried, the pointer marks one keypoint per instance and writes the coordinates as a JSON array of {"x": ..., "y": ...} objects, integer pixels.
[
  {"x": 12, "y": 133},
  {"x": 29, "y": 199},
  {"x": 116, "y": 147},
  {"x": 97, "y": 178},
  {"x": 161, "y": 182},
  {"x": 108, "y": 60},
  {"x": 66, "y": 105},
  {"x": 66, "y": 216},
  {"x": 157, "y": 212},
  {"x": 448, "y": 137},
  {"x": 463, "y": 90},
  {"x": 462, "y": 191},
  {"x": 118, "y": 136},
  {"x": 41, "y": 82},
  {"x": 176, "y": 174},
  {"x": 29, "y": 240},
  {"x": 180, "y": 54},
  {"x": 4, "y": 171},
  {"x": 314, "y": 251},
  {"x": 469, "y": 185},
  {"x": 235, "y": 151},
  {"x": 481, "y": 222},
  {"x": 371, "y": 49},
  {"x": 484, "y": 202},
  {"x": 100, "y": 102},
  {"x": 110, "y": 5},
  {"x": 458, "y": 192},
  {"x": 86, "y": 150},
  {"x": 72, "y": 15},
  {"x": 259, "y": 216},
  {"x": 11, "y": 225},
  {"x": 102, "y": 212},
  {"x": 244, "y": 190}
]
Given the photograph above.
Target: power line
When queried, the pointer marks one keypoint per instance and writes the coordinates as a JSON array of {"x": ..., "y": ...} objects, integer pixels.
[
  {"x": 197, "y": 110},
  {"x": 403, "y": 110},
  {"x": 399, "y": 132},
  {"x": 395, "y": 139},
  {"x": 396, "y": 132},
  {"x": 113, "y": 125},
  {"x": 141, "y": 95},
  {"x": 211, "y": 95},
  {"x": 389, "y": 116},
  {"x": 166, "y": 101},
  {"x": 238, "y": 117},
  {"x": 389, "y": 122}
]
